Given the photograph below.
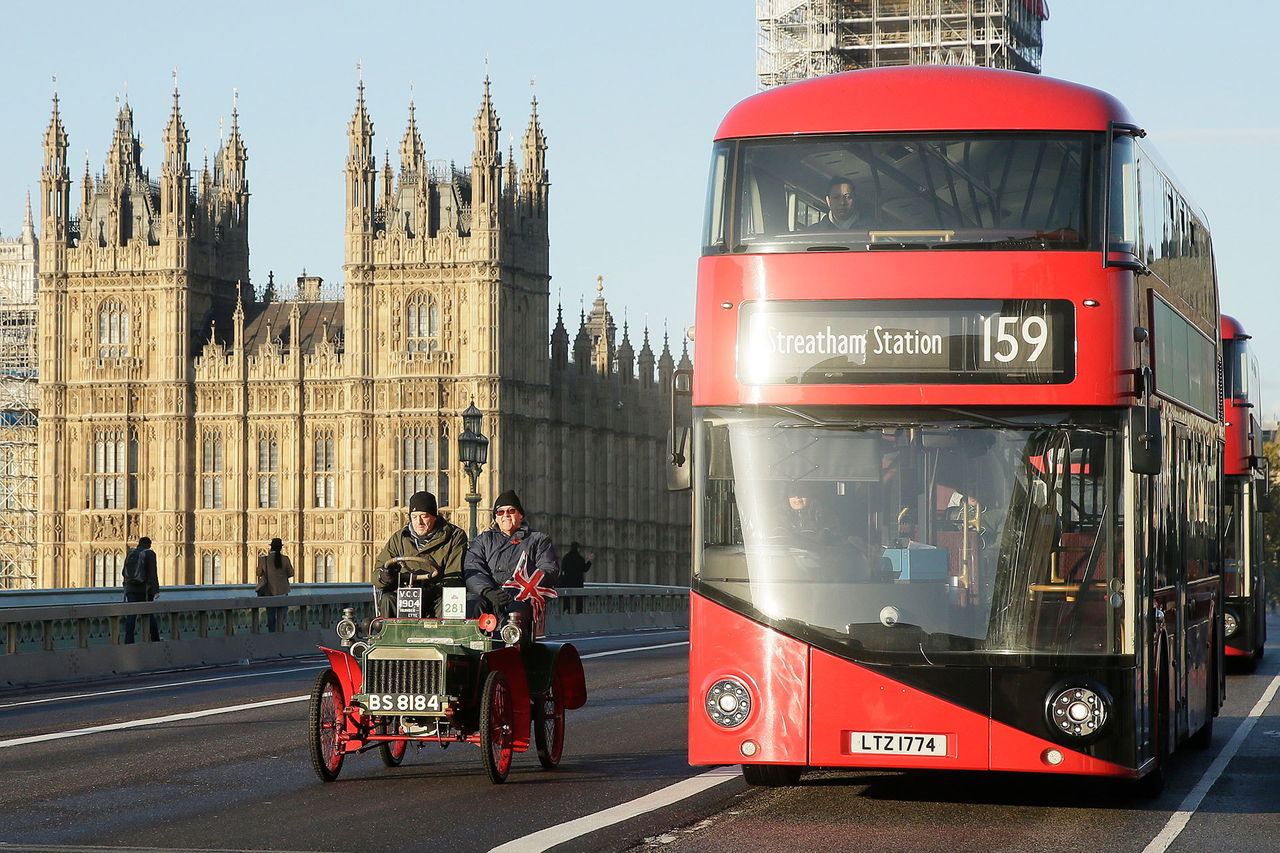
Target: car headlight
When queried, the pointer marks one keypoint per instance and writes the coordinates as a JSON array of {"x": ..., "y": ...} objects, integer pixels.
[
  {"x": 1078, "y": 711},
  {"x": 1230, "y": 622},
  {"x": 510, "y": 633},
  {"x": 346, "y": 630},
  {"x": 728, "y": 703}
]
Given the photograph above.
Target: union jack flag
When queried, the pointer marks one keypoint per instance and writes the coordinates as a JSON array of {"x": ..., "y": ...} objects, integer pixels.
[{"x": 528, "y": 587}]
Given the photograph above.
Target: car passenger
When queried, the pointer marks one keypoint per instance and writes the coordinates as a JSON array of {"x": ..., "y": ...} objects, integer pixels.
[{"x": 499, "y": 552}]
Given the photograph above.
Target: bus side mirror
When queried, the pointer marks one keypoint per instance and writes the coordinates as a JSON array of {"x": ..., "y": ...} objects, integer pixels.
[
  {"x": 1144, "y": 440},
  {"x": 679, "y": 437}
]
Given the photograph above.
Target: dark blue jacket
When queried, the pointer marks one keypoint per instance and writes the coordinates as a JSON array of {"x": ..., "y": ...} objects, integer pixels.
[{"x": 492, "y": 558}]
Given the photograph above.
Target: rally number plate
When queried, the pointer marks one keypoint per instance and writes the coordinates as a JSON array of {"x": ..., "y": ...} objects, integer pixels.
[
  {"x": 897, "y": 743},
  {"x": 403, "y": 703}
]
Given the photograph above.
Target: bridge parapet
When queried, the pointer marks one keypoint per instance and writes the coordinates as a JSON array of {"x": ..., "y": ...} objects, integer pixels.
[{"x": 51, "y": 643}]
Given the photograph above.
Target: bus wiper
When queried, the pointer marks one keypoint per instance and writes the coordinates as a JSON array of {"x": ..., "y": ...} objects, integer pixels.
[
  {"x": 881, "y": 245},
  {"x": 990, "y": 419},
  {"x": 860, "y": 425},
  {"x": 1007, "y": 243}
]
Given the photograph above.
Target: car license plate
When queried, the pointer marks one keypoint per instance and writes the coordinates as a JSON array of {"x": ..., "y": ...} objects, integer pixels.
[
  {"x": 403, "y": 703},
  {"x": 897, "y": 743}
]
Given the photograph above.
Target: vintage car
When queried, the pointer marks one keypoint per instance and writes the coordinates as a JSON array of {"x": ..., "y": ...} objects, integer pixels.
[{"x": 445, "y": 680}]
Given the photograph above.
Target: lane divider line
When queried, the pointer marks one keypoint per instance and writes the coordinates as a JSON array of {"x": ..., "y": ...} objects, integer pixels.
[
  {"x": 628, "y": 651},
  {"x": 547, "y": 838},
  {"x": 317, "y": 665},
  {"x": 74, "y": 696},
  {"x": 1187, "y": 808},
  {"x": 231, "y": 709},
  {"x": 150, "y": 721}
]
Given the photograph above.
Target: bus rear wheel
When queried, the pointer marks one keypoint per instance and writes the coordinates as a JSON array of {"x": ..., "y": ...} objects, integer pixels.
[{"x": 772, "y": 775}]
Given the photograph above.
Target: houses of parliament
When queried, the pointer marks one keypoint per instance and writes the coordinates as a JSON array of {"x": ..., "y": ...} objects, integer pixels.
[{"x": 177, "y": 404}]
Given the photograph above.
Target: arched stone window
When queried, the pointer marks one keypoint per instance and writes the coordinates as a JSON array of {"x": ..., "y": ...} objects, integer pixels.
[
  {"x": 326, "y": 462},
  {"x": 210, "y": 568},
  {"x": 112, "y": 460},
  {"x": 326, "y": 570},
  {"x": 422, "y": 324},
  {"x": 423, "y": 456},
  {"x": 113, "y": 330},
  {"x": 268, "y": 470},
  {"x": 107, "y": 568},
  {"x": 211, "y": 477}
]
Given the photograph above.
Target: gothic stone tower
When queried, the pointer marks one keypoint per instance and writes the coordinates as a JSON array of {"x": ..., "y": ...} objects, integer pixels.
[
  {"x": 446, "y": 303},
  {"x": 125, "y": 287}
]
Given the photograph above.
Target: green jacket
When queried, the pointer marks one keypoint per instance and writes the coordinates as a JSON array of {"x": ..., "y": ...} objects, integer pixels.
[{"x": 446, "y": 543}]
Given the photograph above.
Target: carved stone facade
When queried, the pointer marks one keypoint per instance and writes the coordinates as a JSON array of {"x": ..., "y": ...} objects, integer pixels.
[{"x": 177, "y": 406}]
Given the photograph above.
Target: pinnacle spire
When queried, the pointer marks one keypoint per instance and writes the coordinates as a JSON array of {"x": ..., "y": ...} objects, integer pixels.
[
  {"x": 487, "y": 125},
  {"x": 412, "y": 150}
]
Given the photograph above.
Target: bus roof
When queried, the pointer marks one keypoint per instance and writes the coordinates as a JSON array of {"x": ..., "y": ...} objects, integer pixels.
[
  {"x": 1231, "y": 328},
  {"x": 922, "y": 98}
]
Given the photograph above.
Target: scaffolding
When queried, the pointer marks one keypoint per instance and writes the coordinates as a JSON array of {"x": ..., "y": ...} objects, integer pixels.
[
  {"x": 799, "y": 39},
  {"x": 19, "y": 405}
]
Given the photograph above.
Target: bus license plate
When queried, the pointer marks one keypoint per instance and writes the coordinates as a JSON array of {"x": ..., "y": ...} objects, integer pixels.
[{"x": 897, "y": 743}]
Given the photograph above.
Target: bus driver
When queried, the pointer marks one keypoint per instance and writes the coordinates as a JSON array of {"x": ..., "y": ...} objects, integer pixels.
[{"x": 842, "y": 213}]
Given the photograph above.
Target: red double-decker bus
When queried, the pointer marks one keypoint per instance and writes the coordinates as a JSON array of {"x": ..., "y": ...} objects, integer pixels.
[
  {"x": 1246, "y": 487},
  {"x": 956, "y": 445}
]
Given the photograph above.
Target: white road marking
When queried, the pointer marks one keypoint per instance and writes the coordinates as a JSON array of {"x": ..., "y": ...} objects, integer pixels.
[
  {"x": 1187, "y": 808},
  {"x": 150, "y": 721},
  {"x": 637, "y": 649},
  {"x": 551, "y": 836},
  {"x": 132, "y": 724},
  {"x": 317, "y": 665},
  {"x": 167, "y": 684}
]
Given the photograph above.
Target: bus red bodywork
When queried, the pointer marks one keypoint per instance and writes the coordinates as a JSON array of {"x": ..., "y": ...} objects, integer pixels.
[{"x": 808, "y": 699}]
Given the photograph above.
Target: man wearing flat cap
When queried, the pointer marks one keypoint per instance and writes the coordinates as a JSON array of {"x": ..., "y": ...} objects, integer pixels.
[
  {"x": 496, "y": 554},
  {"x": 426, "y": 535}
]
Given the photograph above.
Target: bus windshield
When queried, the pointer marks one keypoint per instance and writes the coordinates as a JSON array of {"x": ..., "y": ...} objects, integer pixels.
[
  {"x": 924, "y": 534},
  {"x": 1007, "y": 191}
]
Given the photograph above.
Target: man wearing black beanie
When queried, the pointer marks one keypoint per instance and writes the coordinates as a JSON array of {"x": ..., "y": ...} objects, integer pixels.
[
  {"x": 426, "y": 535},
  {"x": 495, "y": 555}
]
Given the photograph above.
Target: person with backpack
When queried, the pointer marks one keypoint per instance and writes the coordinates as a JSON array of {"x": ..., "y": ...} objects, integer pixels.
[
  {"x": 274, "y": 571},
  {"x": 141, "y": 583}
]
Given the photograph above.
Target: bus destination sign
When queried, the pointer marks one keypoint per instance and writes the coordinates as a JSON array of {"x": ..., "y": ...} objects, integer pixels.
[{"x": 895, "y": 341}]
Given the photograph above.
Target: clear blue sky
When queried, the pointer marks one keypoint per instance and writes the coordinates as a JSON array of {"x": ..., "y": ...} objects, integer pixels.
[{"x": 629, "y": 96}]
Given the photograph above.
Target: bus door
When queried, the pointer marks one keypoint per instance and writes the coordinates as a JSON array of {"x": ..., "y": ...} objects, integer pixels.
[{"x": 1197, "y": 581}]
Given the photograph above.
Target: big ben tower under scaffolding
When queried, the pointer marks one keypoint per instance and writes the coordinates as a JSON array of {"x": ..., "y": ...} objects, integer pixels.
[
  {"x": 799, "y": 39},
  {"x": 18, "y": 406}
]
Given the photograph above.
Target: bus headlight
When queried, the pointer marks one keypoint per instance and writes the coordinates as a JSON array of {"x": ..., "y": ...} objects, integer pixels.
[
  {"x": 1079, "y": 710},
  {"x": 728, "y": 703},
  {"x": 1230, "y": 622}
]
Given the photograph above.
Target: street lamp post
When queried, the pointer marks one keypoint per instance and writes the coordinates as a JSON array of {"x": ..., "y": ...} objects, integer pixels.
[{"x": 473, "y": 450}]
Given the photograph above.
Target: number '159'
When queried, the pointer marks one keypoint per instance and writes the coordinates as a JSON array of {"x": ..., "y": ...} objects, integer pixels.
[{"x": 1004, "y": 338}]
